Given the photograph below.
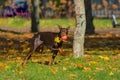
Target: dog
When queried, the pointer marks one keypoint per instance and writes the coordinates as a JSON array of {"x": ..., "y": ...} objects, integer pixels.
[{"x": 52, "y": 40}]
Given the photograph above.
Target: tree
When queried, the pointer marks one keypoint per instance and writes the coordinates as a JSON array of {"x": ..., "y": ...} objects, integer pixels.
[
  {"x": 79, "y": 33},
  {"x": 2, "y": 2},
  {"x": 35, "y": 15},
  {"x": 89, "y": 19}
]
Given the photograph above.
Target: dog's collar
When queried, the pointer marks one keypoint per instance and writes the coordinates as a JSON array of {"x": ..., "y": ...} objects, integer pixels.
[{"x": 57, "y": 39}]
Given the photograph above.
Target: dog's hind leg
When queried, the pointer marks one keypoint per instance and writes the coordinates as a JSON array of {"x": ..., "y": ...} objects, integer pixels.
[
  {"x": 40, "y": 49},
  {"x": 37, "y": 42}
]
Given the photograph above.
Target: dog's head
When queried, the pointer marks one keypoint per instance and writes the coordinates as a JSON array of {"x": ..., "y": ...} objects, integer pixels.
[{"x": 63, "y": 33}]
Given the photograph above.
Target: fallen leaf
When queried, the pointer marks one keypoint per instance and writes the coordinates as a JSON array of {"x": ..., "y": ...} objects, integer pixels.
[
  {"x": 54, "y": 70},
  {"x": 91, "y": 63},
  {"x": 1, "y": 64},
  {"x": 64, "y": 68},
  {"x": 99, "y": 69},
  {"x": 6, "y": 67},
  {"x": 12, "y": 51},
  {"x": 86, "y": 69},
  {"x": 105, "y": 58},
  {"x": 79, "y": 65},
  {"x": 72, "y": 75},
  {"x": 91, "y": 79},
  {"x": 35, "y": 60},
  {"x": 20, "y": 72},
  {"x": 111, "y": 73}
]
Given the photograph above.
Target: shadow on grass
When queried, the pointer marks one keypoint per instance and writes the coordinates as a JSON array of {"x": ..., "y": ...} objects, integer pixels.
[
  {"x": 111, "y": 43},
  {"x": 94, "y": 43}
]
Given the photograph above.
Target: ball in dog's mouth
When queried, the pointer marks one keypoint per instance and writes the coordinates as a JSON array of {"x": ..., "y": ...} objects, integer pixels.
[{"x": 64, "y": 38}]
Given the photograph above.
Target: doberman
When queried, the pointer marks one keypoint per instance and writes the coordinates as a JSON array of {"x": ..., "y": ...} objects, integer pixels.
[{"x": 52, "y": 40}]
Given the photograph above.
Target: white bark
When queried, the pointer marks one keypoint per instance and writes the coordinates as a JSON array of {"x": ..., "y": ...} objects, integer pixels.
[{"x": 79, "y": 33}]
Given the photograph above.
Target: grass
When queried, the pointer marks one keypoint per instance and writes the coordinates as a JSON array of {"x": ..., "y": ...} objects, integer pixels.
[
  {"x": 23, "y": 23},
  {"x": 14, "y": 22},
  {"x": 97, "y": 64},
  {"x": 103, "y": 23},
  {"x": 87, "y": 68},
  {"x": 101, "y": 60}
]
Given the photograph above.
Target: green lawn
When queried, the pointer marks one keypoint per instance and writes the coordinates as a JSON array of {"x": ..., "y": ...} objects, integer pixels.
[
  {"x": 92, "y": 67},
  {"x": 101, "y": 60},
  {"x": 22, "y": 23}
]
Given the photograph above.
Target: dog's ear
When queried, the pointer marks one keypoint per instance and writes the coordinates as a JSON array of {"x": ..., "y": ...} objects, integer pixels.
[
  {"x": 68, "y": 28},
  {"x": 59, "y": 27}
]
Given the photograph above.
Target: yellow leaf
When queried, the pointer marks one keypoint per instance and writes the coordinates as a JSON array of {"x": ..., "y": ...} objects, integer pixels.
[
  {"x": 54, "y": 70},
  {"x": 1, "y": 64},
  {"x": 6, "y": 67},
  {"x": 72, "y": 75},
  {"x": 105, "y": 58},
  {"x": 20, "y": 72},
  {"x": 101, "y": 57},
  {"x": 91, "y": 79},
  {"x": 64, "y": 68},
  {"x": 79, "y": 65},
  {"x": 12, "y": 51},
  {"x": 99, "y": 69},
  {"x": 93, "y": 63},
  {"x": 35, "y": 60},
  {"x": 87, "y": 69},
  {"x": 111, "y": 73}
]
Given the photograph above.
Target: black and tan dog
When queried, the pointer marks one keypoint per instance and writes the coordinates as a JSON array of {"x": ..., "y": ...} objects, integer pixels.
[{"x": 52, "y": 40}]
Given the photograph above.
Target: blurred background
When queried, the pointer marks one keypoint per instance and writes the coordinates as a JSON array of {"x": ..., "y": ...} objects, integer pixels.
[{"x": 58, "y": 8}]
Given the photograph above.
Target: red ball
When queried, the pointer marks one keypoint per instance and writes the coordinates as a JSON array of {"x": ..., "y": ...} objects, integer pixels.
[{"x": 64, "y": 37}]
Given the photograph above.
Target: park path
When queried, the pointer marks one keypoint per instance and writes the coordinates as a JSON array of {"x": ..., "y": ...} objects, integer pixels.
[
  {"x": 24, "y": 30},
  {"x": 111, "y": 31}
]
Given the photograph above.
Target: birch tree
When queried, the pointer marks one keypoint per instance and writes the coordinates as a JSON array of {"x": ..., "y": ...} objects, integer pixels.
[{"x": 79, "y": 33}]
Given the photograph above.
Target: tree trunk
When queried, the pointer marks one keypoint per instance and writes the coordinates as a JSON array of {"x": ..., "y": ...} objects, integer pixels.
[
  {"x": 2, "y": 2},
  {"x": 79, "y": 33},
  {"x": 89, "y": 19},
  {"x": 35, "y": 16}
]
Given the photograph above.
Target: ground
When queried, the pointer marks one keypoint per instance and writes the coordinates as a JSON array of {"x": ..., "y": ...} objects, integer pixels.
[{"x": 101, "y": 60}]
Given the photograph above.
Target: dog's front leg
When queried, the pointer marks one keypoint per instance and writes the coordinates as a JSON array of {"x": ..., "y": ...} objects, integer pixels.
[{"x": 54, "y": 51}]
